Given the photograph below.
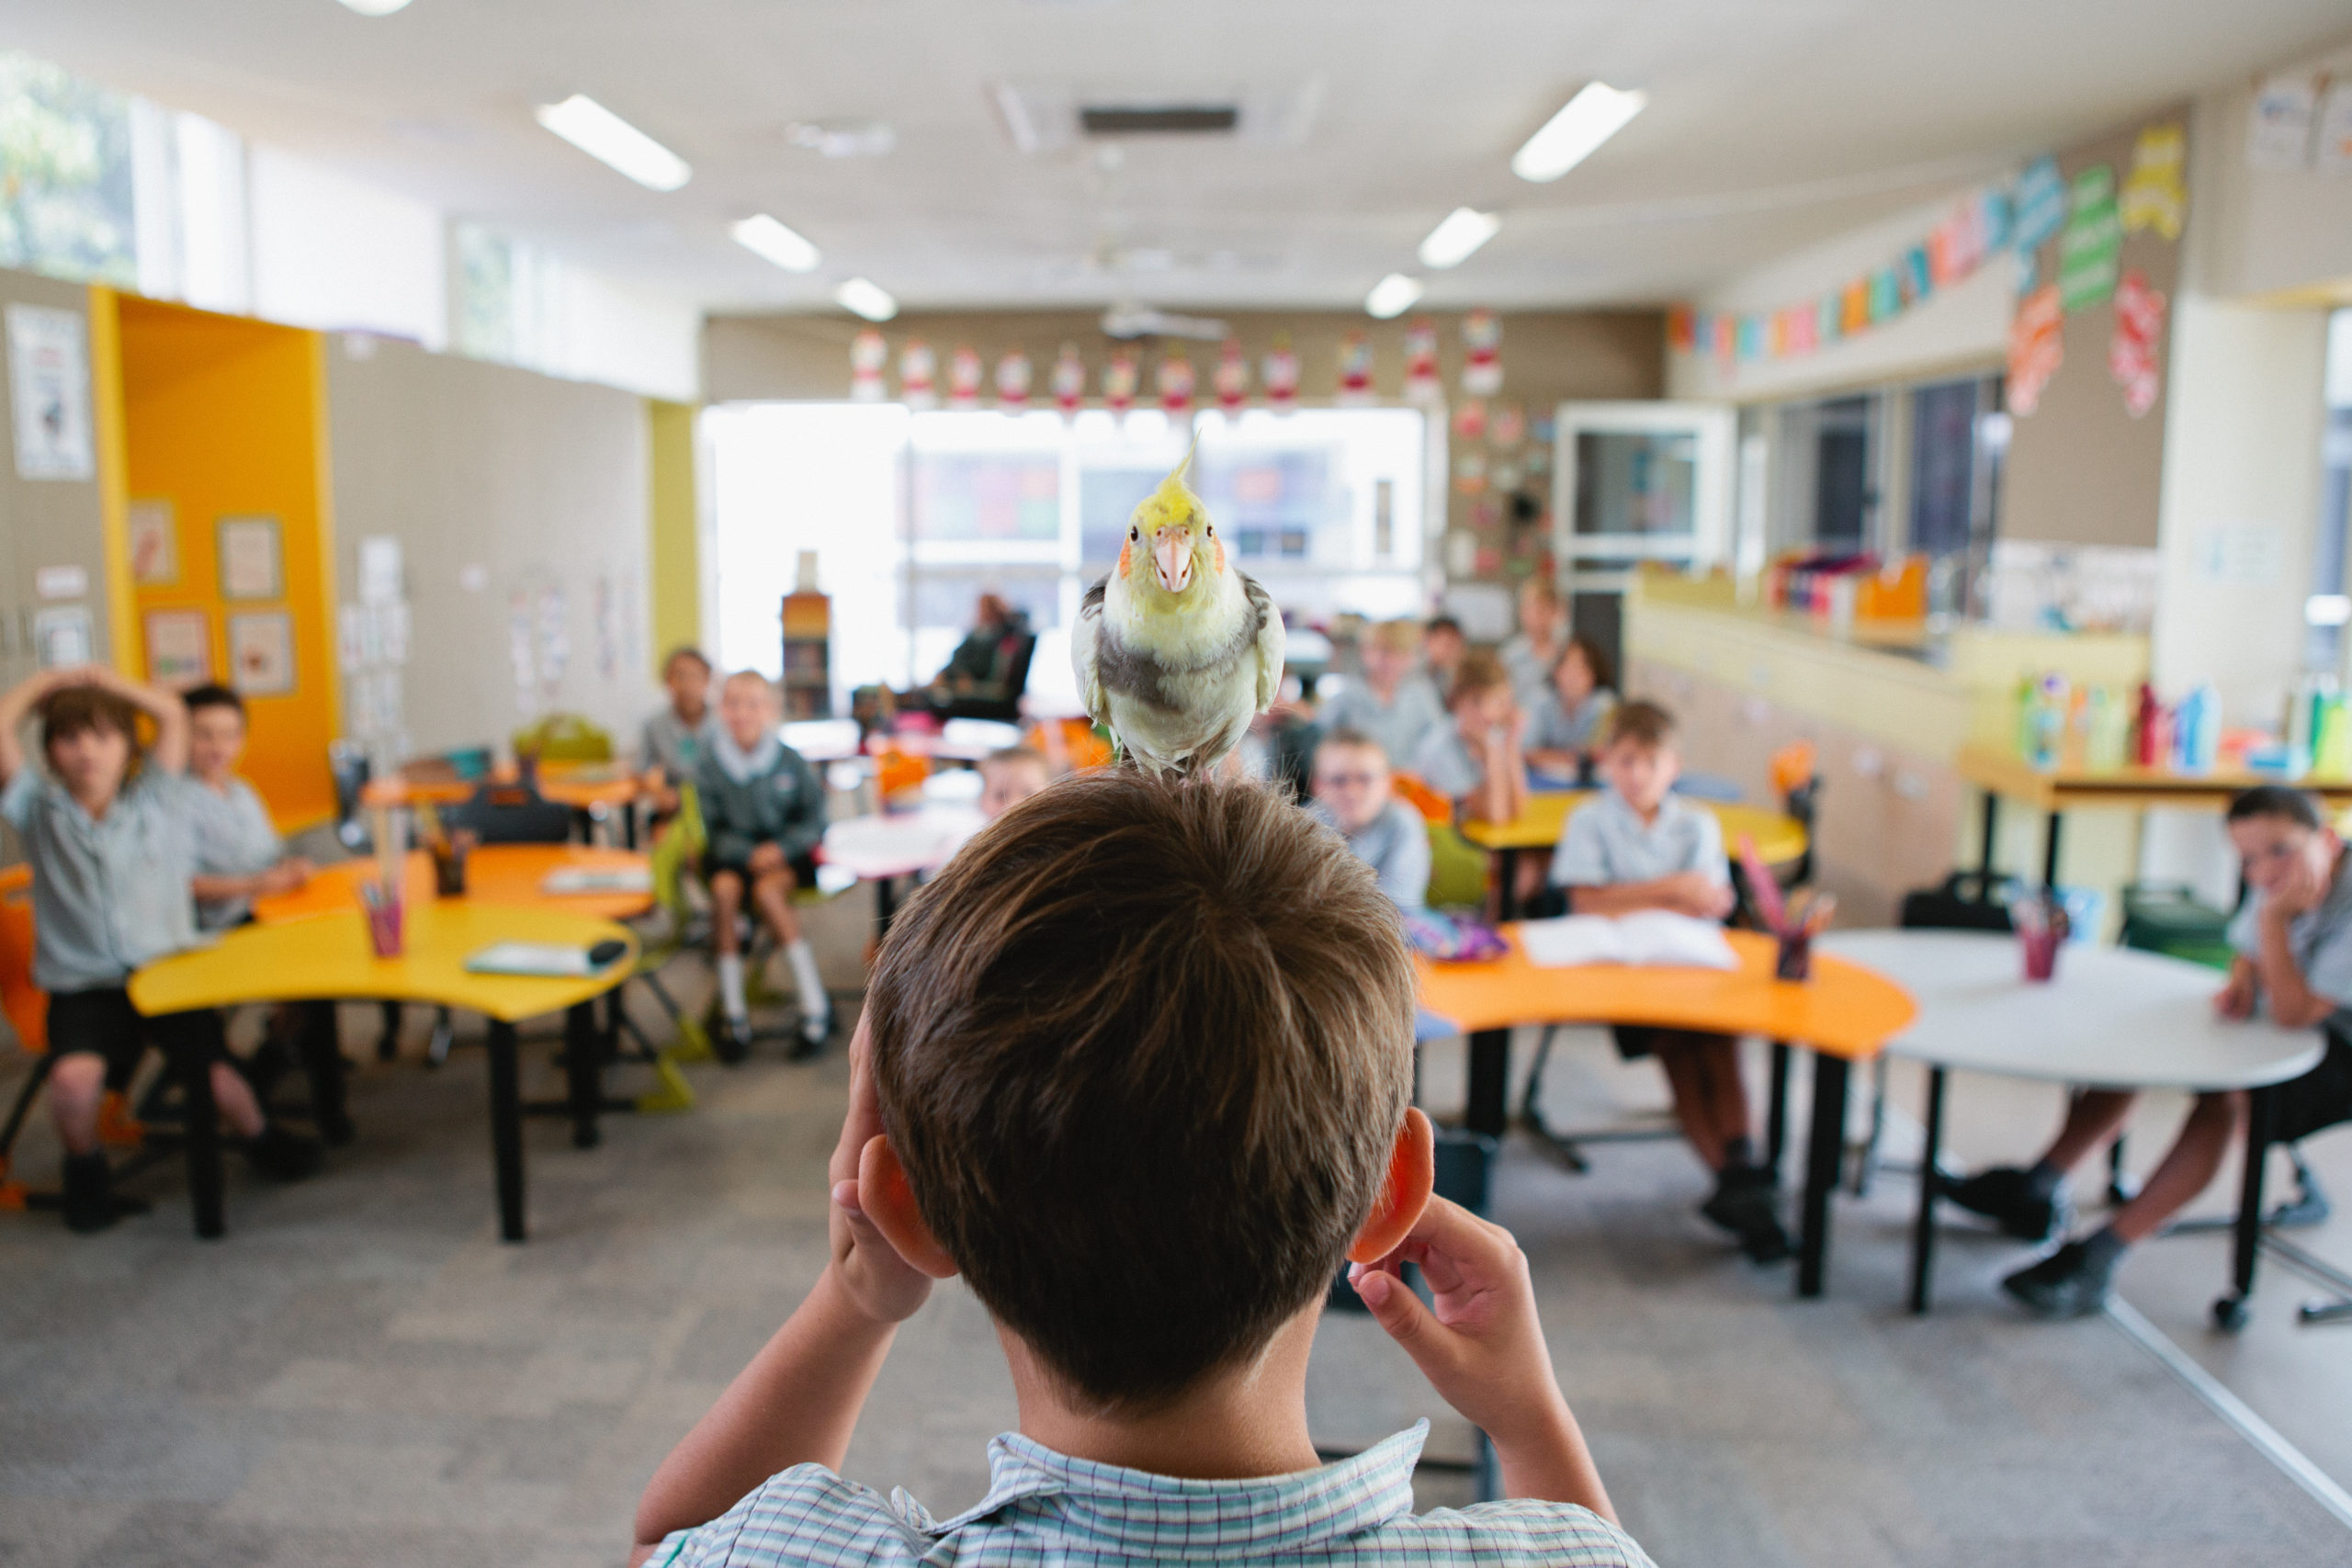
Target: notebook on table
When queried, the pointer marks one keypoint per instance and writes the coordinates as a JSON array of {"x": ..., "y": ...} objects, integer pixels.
[
  {"x": 1651, "y": 936},
  {"x": 599, "y": 879},
  {"x": 553, "y": 960}
]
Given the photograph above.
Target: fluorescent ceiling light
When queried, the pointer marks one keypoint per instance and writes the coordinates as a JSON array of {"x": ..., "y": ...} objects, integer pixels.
[
  {"x": 772, "y": 240},
  {"x": 375, "y": 7},
  {"x": 610, "y": 139},
  {"x": 1462, "y": 231},
  {"x": 866, "y": 299},
  {"x": 1392, "y": 296},
  {"x": 1598, "y": 112}
]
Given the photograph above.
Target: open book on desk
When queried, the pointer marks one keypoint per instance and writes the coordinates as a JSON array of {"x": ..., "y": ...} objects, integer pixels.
[{"x": 1650, "y": 936}]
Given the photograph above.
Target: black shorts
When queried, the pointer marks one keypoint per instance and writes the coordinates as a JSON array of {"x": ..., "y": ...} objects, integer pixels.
[
  {"x": 803, "y": 869},
  {"x": 1635, "y": 1041},
  {"x": 103, "y": 1023}
]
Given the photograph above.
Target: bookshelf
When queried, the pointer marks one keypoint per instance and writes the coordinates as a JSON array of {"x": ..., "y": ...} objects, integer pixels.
[{"x": 807, "y": 655}]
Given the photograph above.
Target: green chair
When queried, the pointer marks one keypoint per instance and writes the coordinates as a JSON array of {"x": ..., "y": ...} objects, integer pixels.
[
  {"x": 564, "y": 737},
  {"x": 1457, "y": 870},
  {"x": 677, "y": 850}
]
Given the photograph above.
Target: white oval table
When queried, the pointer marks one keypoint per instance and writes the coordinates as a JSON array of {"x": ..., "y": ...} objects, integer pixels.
[
  {"x": 2111, "y": 1018},
  {"x": 882, "y": 849}
]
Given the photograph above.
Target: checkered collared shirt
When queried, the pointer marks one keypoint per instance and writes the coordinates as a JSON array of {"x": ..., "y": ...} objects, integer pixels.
[{"x": 1044, "y": 1507}]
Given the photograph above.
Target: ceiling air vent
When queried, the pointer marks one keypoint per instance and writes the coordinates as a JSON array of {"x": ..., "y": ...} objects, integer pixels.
[
  {"x": 1158, "y": 119},
  {"x": 1044, "y": 117}
]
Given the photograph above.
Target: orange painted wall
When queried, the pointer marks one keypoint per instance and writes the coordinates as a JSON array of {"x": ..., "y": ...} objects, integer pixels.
[{"x": 226, "y": 416}]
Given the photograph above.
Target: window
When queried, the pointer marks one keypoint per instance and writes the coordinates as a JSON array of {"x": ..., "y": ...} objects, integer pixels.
[
  {"x": 1959, "y": 438},
  {"x": 2328, "y": 608},
  {"x": 1830, "y": 484},
  {"x": 65, "y": 184}
]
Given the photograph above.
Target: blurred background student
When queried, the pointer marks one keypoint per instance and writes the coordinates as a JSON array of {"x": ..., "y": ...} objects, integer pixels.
[
  {"x": 1352, "y": 795},
  {"x": 1543, "y": 632},
  {"x": 1009, "y": 776},
  {"x": 1390, "y": 701},
  {"x": 676, "y": 738},
  {"x": 238, "y": 856},
  {"x": 1442, "y": 645},
  {"x": 1475, "y": 761},
  {"x": 1570, "y": 715}
]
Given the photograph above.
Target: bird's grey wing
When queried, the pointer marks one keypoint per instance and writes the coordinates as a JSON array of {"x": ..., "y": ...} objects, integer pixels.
[
  {"x": 1269, "y": 641},
  {"x": 1085, "y": 647}
]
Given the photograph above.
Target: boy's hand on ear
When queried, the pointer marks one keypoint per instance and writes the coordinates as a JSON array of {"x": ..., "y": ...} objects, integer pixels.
[{"x": 885, "y": 1286}]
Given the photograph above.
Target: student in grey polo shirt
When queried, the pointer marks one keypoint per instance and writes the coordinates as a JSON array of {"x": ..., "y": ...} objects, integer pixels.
[
  {"x": 106, "y": 832},
  {"x": 677, "y": 738},
  {"x": 238, "y": 856},
  {"x": 1352, "y": 794},
  {"x": 1389, "y": 701}
]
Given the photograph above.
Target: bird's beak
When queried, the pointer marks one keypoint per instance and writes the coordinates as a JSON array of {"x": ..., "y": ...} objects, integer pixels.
[{"x": 1171, "y": 557}]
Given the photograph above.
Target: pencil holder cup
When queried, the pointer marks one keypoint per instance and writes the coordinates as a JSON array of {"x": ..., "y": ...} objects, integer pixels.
[
  {"x": 1792, "y": 959},
  {"x": 449, "y": 868},
  {"x": 2042, "y": 928},
  {"x": 384, "y": 923}
]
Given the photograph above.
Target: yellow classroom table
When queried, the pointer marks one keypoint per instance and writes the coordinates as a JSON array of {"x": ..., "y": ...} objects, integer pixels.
[
  {"x": 1844, "y": 1013},
  {"x": 327, "y": 958},
  {"x": 495, "y": 874},
  {"x": 1779, "y": 840}
]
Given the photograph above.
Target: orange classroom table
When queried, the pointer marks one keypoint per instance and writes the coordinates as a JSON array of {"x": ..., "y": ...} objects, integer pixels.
[
  {"x": 495, "y": 874},
  {"x": 598, "y": 787},
  {"x": 1844, "y": 1013}
]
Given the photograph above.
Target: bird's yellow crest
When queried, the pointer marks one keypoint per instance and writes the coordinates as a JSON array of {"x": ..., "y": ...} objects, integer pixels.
[
  {"x": 1174, "y": 501},
  {"x": 1174, "y": 555}
]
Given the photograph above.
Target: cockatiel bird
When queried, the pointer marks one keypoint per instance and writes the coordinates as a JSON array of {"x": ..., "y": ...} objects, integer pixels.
[{"x": 1175, "y": 649}]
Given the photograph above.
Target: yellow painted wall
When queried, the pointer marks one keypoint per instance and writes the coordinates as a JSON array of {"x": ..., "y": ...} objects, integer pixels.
[
  {"x": 225, "y": 417},
  {"x": 674, "y": 546}
]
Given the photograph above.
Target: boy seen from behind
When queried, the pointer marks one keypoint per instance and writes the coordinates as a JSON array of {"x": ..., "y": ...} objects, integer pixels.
[
  {"x": 1638, "y": 846},
  {"x": 1352, "y": 795},
  {"x": 764, "y": 808},
  {"x": 1110, "y": 1075}
]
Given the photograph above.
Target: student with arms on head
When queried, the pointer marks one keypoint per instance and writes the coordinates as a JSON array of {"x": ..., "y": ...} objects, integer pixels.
[
  {"x": 675, "y": 738},
  {"x": 2293, "y": 940},
  {"x": 1638, "y": 846},
  {"x": 238, "y": 856},
  {"x": 1390, "y": 701},
  {"x": 1442, "y": 645},
  {"x": 764, "y": 808},
  {"x": 106, "y": 828},
  {"x": 1352, "y": 795},
  {"x": 1571, "y": 715},
  {"x": 1110, "y": 1075}
]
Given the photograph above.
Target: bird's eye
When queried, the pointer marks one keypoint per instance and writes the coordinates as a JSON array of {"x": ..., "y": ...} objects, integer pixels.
[
  {"x": 1134, "y": 533},
  {"x": 1212, "y": 530}
]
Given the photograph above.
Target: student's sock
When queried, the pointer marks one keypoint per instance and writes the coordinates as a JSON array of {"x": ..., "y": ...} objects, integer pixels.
[
  {"x": 814, "y": 1003},
  {"x": 2103, "y": 1248},
  {"x": 2043, "y": 1180},
  {"x": 1738, "y": 1152},
  {"x": 730, "y": 986}
]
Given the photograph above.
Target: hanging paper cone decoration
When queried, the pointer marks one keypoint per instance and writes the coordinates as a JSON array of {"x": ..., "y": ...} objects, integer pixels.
[
  {"x": 1421, "y": 383},
  {"x": 1681, "y": 328},
  {"x": 1470, "y": 473},
  {"x": 1282, "y": 375},
  {"x": 2037, "y": 346},
  {"x": 2153, "y": 196},
  {"x": 1355, "y": 370},
  {"x": 1232, "y": 377},
  {"x": 867, "y": 354},
  {"x": 1012, "y": 382},
  {"x": 1482, "y": 347},
  {"x": 1470, "y": 420},
  {"x": 2139, "y": 327},
  {"x": 1506, "y": 425},
  {"x": 2037, "y": 210},
  {"x": 1070, "y": 380},
  {"x": 964, "y": 373},
  {"x": 918, "y": 373},
  {"x": 1119, "y": 379},
  {"x": 1174, "y": 381}
]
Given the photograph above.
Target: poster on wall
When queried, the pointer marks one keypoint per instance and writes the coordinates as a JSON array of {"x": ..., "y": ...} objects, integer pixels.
[
  {"x": 261, "y": 653},
  {"x": 2332, "y": 151},
  {"x": 154, "y": 539},
  {"x": 63, "y": 635},
  {"x": 251, "y": 564},
  {"x": 48, "y": 387},
  {"x": 179, "y": 647},
  {"x": 2279, "y": 126}
]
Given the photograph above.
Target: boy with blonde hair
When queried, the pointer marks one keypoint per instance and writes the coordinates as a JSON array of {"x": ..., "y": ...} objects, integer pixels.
[{"x": 1391, "y": 701}]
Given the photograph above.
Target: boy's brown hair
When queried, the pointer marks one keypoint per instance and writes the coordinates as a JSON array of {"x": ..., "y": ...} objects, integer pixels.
[
  {"x": 1143, "y": 1048},
  {"x": 1643, "y": 723},
  {"x": 1479, "y": 673},
  {"x": 72, "y": 710},
  {"x": 1015, "y": 757}
]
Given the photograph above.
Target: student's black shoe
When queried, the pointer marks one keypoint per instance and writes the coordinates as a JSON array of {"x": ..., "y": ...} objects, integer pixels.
[
  {"x": 267, "y": 1067},
  {"x": 282, "y": 1156},
  {"x": 338, "y": 1131},
  {"x": 809, "y": 1040},
  {"x": 731, "y": 1040},
  {"x": 1742, "y": 1204},
  {"x": 90, "y": 1201},
  {"x": 2006, "y": 1194},
  {"x": 2067, "y": 1283}
]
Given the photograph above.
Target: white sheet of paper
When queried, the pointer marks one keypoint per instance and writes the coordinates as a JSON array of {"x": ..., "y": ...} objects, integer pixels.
[{"x": 1652, "y": 936}]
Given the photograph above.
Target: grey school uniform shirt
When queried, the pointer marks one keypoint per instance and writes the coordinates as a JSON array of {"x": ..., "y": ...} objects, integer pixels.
[
  {"x": 672, "y": 745},
  {"x": 109, "y": 894},
  {"x": 231, "y": 835},
  {"x": 2320, "y": 938},
  {"x": 1399, "y": 724},
  {"x": 1396, "y": 844},
  {"x": 750, "y": 798},
  {"x": 1606, "y": 841},
  {"x": 1553, "y": 726}
]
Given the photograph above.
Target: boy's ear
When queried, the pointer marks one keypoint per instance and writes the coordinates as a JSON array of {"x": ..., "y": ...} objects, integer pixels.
[
  {"x": 889, "y": 1202},
  {"x": 1412, "y": 1175}
]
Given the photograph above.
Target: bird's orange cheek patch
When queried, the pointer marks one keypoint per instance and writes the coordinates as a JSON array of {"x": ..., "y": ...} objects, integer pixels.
[
  {"x": 1220, "y": 555},
  {"x": 1125, "y": 552}
]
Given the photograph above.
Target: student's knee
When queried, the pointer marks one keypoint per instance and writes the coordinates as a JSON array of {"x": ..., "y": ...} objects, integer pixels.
[
  {"x": 77, "y": 1075},
  {"x": 2225, "y": 1108},
  {"x": 726, "y": 887}
]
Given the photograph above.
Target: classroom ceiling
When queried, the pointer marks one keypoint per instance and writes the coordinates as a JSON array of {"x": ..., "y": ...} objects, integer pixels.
[{"x": 1770, "y": 125}]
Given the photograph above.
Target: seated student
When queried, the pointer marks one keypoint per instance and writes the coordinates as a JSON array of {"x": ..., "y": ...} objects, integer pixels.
[
  {"x": 1009, "y": 776},
  {"x": 764, "y": 808},
  {"x": 1351, "y": 793},
  {"x": 1390, "y": 701},
  {"x": 1637, "y": 846},
  {"x": 238, "y": 856},
  {"x": 2293, "y": 940},
  {"x": 672, "y": 745},
  {"x": 1108, "y": 1074},
  {"x": 1572, "y": 713},
  {"x": 105, "y": 831},
  {"x": 1442, "y": 645},
  {"x": 1543, "y": 630},
  {"x": 1475, "y": 761}
]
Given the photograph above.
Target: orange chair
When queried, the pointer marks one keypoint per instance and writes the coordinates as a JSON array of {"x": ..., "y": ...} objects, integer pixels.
[
  {"x": 1796, "y": 779},
  {"x": 27, "y": 1009},
  {"x": 1433, "y": 807},
  {"x": 897, "y": 772}
]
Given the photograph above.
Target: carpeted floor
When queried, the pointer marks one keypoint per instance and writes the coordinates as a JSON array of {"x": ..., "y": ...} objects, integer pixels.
[{"x": 360, "y": 1374}]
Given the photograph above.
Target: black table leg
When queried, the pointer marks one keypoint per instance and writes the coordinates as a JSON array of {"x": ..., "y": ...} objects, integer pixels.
[
  {"x": 1923, "y": 1231},
  {"x": 1824, "y": 1152},
  {"x": 321, "y": 1043},
  {"x": 628, "y": 825},
  {"x": 2229, "y": 1311},
  {"x": 583, "y": 1053},
  {"x": 2049, "y": 849},
  {"x": 506, "y": 1128},
  {"x": 886, "y": 904},
  {"x": 1776, "y": 1113},
  {"x": 204, "y": 1182},
  {"x": 1488, "y": 1107},
  {"x": 1992, "y": 829},
  {"x": 1507, "y": 873}
]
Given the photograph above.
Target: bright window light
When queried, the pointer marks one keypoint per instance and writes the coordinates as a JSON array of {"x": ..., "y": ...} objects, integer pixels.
[
  {"x": 775, "y": 242},
  {"x": 612, "y": 141},
  {"x": 1392, "y": 296},
  {"x": 1462, "y": 231},
  {"x": 2327, "y": 610},
  {"x": 1598, "y": 112},
  {"x": 375, "y": 7},
  {"x": 867, "y": 299}
]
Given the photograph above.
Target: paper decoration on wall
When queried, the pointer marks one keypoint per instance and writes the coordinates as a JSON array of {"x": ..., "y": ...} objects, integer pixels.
[
  {"x": 2333, "y": 149},
  {"x": 1355, "y": 370},
  {"x": 1506, "y": 427},
  {"x": 63, "y": 635},
  {"x": 179, "y": 647},
  {"x": 1281, "y": 373},
  {"x": 261, "y": 653},
  {"x": 1470, "y": 420},
  {"x": 522, "y": 657},
  {"x": 155, "y": 539},
  {"x": 2156, "y": 194},
  {"x": 1174, "y": 381},
  {"x": 1012, "y": 382},
  {"x": 1470, "y": 473},
  {"x": 867, "y": 354},
  {"x": 2037, "y": 346},
  {"x": 251, "y": 565},
  {"x": 2093, "y": 241},
  {"x": 918, "y": 374},
  {"x": 1482, "y": 349},
  {"x": 2139, "y": 333},
  {"x": 964, "y": 373},
  {"x": 555, "y": 643},
  {"x": 1120, "y": 378},
  {"x": 2279, "y": 125},
  {"x": 1069, "y": 381},
  {"x": 1421, "y": 383},
  {"x": 1231, "y": 378},
  {"x": 48, "y": 387},
  {"x": 2038, "y": 210},
  {"x": 608, "y": 630}
]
